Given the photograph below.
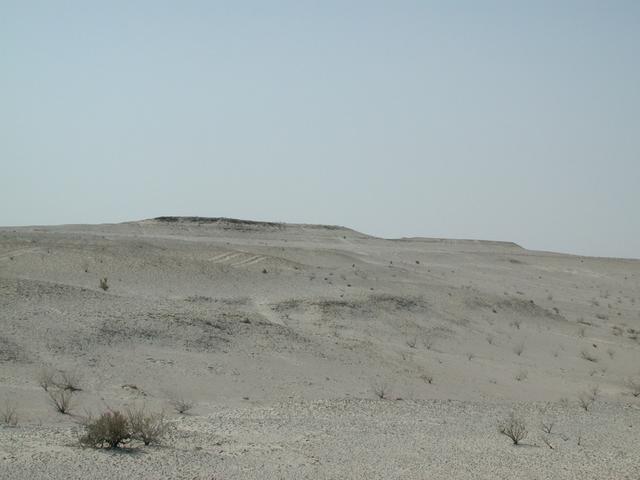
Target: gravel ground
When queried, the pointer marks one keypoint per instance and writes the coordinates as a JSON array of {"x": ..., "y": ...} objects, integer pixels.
[{"x": 373, "y": 439}]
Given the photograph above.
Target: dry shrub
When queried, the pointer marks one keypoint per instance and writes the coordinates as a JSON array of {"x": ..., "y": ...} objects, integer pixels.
[
  {"x": 69, "y": 381},
  {"x": 513, "y": 427},
  {"x": 633, "y": 384},
  {"x": 46, "y": 378},
  {"x": 103, "y": 284},
  {"x": 148, "y": 428},
  {"x": 587, "y": 398},
  {"x": 62, "y": 380},
  {"x": 380, "y": 390},
  {"x": 9, "y": 414},
  {"x": 181, "y": 404},
  {"x": 547, "y": 426},
  {"x": 427, "y": 378},
  {"x": 111, "y": 430},
  {"x": 61, "y": 399}
]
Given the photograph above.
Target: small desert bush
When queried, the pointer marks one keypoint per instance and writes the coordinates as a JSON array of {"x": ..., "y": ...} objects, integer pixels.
[
  {"x": 380, "y": 390},
  {"x": 427, "y": 378},
  {"x": 103, "y": 284},
  {"x": 62, "y": 380},
  {"x": 587, "y": 398},
  {"x": 547, "y": 426},
  {"x": 69, "y": 381},
  {"x": 180, "y": 404},
  {"x": 633, "y": 384},
  {"x": 111, "y": 430},
  {"x": 148, "y": 428},
  {"x": 46, "y": 378},
  {"x": 9, "y": 414},
  {"x": 61, "y": 399},
  {"x": 513, "y": 427}
]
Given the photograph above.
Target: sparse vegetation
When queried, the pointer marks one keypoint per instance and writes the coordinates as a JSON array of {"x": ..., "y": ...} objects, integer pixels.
[
  {"x": 427, "y": 377},
  {"x": 111, "y": 430},
  {"x": 633, "y": 384},
  {"x": 62, "y": 380},
  {"x": 61, "y": 399},
  {"x": 513, "y": 427},
  {"x": 114, "y": 429},
  {"x": 587, "y": 355},
  {"x": 46, "y": 378},
  {"x": 587, "y": 398},
  {"x": 180, "y": 404},
  {"x": 411, "y": 343},
  {"x": 69, "y": 381},
  {"x": 547, "y": 426},
  {"x": 9, "y": 414},
  {"x": 380, "y": 390},
  {"x": 148, "y": 428},
  {"x": 104, "y": 284}
]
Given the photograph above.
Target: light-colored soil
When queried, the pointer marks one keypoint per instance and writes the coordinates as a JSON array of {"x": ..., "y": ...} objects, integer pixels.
[{"x": 282, "y": 334}]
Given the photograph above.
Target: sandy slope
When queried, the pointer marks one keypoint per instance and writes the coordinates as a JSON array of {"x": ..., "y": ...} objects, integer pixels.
[{"x": 282, "y": 333}]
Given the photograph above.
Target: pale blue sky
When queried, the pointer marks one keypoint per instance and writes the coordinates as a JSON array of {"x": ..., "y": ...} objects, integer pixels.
[{"x": 492, "y": 120}]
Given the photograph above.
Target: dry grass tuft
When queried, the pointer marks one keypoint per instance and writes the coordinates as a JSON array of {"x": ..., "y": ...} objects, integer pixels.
[
  {"x": 633, "y": 384},
  {"x": 180, "y": 404},
  {"x": 587, "y": 398},
  {"x": 513, "y": 427},
  {"x": 148, "y": 428},
  {"x": 9, "y": 414},
  {"x": 380, "y": 390}
]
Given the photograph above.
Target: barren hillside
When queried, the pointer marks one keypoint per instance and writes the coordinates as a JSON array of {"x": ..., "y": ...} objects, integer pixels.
[{"x": 314, "y": 351}]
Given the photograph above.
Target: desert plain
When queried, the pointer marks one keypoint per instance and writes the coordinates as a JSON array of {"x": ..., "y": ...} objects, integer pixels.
[{"x": 315, "y": 352}]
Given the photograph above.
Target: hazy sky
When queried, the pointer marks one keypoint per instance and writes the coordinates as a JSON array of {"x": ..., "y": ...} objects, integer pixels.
[{"x": 505, "y": 120}]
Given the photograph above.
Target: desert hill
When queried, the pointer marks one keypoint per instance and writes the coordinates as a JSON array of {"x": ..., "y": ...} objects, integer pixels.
[{"x": 285, "y": 336}]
